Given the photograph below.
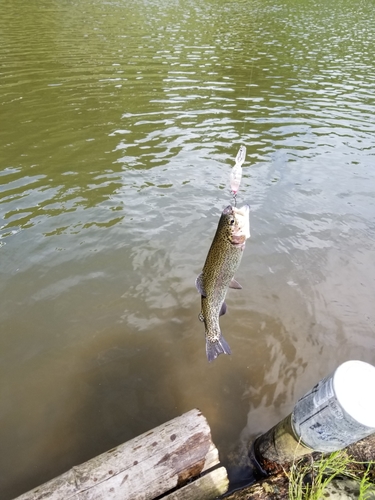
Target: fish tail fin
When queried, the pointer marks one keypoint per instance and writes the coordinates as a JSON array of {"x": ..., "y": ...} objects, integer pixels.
[{"x": 214, "y": 349}]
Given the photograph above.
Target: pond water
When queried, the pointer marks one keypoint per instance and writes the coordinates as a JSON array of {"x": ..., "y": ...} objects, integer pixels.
[{"x": 120, "y": 121}]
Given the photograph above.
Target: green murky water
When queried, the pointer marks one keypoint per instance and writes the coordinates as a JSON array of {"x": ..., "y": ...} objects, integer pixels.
[{"x": 120, "y": 121}]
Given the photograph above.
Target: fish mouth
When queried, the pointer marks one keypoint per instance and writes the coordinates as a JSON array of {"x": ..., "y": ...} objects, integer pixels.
[
  {"x": 244, "y": 211},
  {"x": 242, "y": 230}
]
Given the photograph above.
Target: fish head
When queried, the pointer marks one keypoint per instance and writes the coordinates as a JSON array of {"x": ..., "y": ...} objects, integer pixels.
[{"x": 235, "y": 224}]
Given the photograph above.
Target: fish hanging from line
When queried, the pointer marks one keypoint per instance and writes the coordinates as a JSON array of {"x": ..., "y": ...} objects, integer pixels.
[
  {"x": 217, "y": 275},
  {"x": 236, "y": 172}
]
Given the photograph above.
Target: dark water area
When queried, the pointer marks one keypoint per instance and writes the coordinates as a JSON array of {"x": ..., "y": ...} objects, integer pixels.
[{"x": 120, "y": 121}]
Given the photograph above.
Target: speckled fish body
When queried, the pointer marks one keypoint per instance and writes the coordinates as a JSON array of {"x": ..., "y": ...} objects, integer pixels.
[{"x": 217, "y": 275}]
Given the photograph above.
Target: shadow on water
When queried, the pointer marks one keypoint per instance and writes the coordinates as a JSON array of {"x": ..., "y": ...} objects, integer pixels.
[{"x": 118, "y": 390}]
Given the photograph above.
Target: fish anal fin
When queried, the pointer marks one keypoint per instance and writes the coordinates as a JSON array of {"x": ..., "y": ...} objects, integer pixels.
[
  {"x": 214, "y": 349},
  {"x": 200, "y": 286},
  {"x": 223, "y": 309},
  {"x": 234, "y": 284}
]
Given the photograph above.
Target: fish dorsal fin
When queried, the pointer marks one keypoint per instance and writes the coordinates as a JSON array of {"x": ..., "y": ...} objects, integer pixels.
[
  {"x": 223, "y": 309},
  {"x": 200, "y": 286},
  {"x": 234, "y": 284}
]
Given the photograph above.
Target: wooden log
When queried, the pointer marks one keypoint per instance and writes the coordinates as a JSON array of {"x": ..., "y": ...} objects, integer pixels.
[{"x": 144, "y": 468}]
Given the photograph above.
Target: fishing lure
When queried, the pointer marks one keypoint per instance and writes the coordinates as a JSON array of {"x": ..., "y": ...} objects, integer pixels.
[{"x": 236, "y": 172}]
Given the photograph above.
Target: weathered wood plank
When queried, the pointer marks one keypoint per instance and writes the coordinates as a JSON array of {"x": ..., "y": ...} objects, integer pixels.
[
  {"x": 207, "y": 487},
  {"x": 143, "y": 468}
]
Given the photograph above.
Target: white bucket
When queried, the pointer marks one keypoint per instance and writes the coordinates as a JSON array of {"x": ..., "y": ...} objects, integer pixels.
[{"x": 339, "y": 410}]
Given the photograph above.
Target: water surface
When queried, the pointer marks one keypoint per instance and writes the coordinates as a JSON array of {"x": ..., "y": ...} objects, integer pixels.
[{"x": 120, "y": 123}]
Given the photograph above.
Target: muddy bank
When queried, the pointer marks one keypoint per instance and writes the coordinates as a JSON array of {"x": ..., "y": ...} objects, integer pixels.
[{"x": 276, "y": 486}]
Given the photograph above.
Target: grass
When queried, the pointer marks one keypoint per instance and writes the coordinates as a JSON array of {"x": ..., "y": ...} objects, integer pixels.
[{"x": 309, "y": 480}]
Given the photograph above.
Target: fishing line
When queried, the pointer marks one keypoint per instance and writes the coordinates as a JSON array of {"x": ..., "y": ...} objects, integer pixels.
[
  {"x": 248, "y": 95},
  {"x": 236, "y": 173},
  {"x": 244, "y": 122}
]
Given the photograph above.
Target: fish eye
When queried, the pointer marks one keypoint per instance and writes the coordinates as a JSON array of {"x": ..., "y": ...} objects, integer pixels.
[{"x": 231, "y": 222}]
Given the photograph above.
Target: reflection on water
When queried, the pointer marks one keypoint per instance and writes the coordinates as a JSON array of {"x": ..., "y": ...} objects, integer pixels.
[{"x": 121, "y": 121}]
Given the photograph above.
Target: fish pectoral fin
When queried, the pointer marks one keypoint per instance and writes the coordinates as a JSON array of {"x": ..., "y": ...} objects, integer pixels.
[
  {"x": 201, "y": 317},
  {"x": 200, "y": 286},
  {"x": 223, "y": 309},
  {"x": 234, "y": 284}
]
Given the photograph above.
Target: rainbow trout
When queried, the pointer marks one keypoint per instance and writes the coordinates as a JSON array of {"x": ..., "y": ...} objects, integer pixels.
[{"x": 222, "y": 262}]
